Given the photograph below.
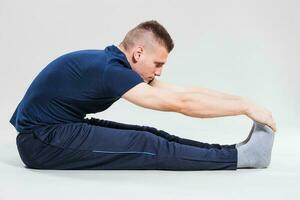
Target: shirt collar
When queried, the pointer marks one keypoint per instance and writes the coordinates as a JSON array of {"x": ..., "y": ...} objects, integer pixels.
[{"x": 118, "y": 53}]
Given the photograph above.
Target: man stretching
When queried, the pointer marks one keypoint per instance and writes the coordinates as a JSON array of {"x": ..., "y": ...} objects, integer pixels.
[{"x": 54, "y": 133}]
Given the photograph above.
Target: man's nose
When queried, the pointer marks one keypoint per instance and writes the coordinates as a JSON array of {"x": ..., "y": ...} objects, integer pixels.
[{"x": 158, "y": 72}]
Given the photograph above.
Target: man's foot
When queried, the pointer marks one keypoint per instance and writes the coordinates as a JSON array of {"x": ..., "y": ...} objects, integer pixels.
[
  {"x": 256, "y": 152},
  {"x": 248, "y": 138}
]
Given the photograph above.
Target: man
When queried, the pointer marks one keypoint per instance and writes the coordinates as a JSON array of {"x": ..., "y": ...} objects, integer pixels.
[{"x": 54, "y": 133}]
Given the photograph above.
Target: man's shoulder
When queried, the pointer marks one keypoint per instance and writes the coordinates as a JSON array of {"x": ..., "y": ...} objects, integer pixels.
[{"x": 85, "y": 52}]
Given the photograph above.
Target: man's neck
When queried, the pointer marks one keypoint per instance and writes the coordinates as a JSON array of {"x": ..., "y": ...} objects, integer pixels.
[{"x": 121, "y": 48}]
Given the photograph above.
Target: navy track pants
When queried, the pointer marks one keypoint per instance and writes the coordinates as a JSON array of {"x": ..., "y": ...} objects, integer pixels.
[{"x": 103, "y": 144}]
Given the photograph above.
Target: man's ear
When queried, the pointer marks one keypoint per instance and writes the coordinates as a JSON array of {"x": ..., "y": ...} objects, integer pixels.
[{"x": 137, "y": 54}]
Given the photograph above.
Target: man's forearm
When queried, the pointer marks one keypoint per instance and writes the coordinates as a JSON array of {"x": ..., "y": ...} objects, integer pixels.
[
  {"x": 211, "y": 92},
  {"x": 204, "y": 104}
]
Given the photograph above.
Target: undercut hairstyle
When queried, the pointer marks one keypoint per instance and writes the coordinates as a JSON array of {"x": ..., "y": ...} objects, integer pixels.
[{"x": 160, "y": 34}]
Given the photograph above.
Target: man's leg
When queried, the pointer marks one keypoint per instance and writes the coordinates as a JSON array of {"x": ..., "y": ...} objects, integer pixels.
[
  {"x": 86, "y": 146},
  {"x": 161, "y": 133}
]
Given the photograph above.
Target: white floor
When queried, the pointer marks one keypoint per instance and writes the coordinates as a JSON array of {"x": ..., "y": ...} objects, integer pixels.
[{"x": 280, "y": 181}]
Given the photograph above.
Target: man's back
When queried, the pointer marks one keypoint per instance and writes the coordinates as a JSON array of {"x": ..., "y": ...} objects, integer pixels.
[{"x": 73, "y": 85}]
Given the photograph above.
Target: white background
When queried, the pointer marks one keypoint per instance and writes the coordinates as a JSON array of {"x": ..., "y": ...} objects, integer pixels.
[{"x": 248, "y": 48}]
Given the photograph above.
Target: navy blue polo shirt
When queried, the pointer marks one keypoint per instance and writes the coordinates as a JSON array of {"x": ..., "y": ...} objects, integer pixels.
[{"x": 73, "y": 85}]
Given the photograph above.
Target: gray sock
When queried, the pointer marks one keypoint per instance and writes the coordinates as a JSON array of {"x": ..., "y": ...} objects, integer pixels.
[
  {"x": 256, "y": 152},
  {"x": 248, "y": 138}
]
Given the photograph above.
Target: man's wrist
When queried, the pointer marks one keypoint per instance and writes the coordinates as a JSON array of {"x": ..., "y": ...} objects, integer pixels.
[{"x": 245, "y": 106}]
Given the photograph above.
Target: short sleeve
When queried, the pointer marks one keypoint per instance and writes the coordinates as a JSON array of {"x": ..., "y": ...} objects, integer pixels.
[{"x": 117, "y": 80}]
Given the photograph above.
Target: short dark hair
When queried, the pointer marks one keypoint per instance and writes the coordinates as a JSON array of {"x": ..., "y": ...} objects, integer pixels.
[{"x": 160, "y": 33}]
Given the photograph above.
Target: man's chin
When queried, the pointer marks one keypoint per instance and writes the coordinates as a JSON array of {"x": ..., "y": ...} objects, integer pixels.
[{"x": 150, "y": 80}]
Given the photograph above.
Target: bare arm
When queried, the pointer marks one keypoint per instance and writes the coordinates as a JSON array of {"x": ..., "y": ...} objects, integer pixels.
[
  {"x": 194, "y": 89},
  {"x": 196, "y": 102},
  {"x": 211, "y": 92},
  {"x": 237, "y": 104},
  {"x": 207, "y": 105},
  {"x": 167, "y": 97}
]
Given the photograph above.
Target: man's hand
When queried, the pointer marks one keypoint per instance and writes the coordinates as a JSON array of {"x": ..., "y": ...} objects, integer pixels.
[
  {"x": 196, "y": 102},
  {"x": 260, "y": 114}
]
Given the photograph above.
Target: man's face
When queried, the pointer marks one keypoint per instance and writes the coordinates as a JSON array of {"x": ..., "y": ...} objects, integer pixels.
[{"x": 149, "y": 61}]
